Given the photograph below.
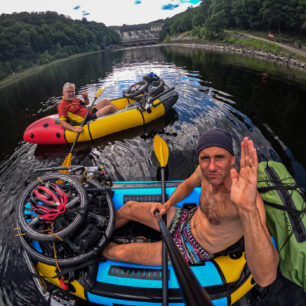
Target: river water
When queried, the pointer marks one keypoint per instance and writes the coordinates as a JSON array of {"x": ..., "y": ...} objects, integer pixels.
[{"x": 245, "y": 96}]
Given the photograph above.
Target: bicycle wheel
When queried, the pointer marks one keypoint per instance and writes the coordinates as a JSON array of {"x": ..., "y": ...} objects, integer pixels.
[
  {"x": 155, "y": 87},
  {"x": 136, "y": 89},
  {"x": 38, "y": 209},
  {"x": 100, "y": 205}
]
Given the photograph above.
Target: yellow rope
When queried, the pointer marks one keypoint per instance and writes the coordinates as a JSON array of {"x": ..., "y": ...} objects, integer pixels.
[
  {"x": 83, "y": 175},
  {"x": 55, "y": 257},
  {"x": 18, "y": 235},
  {"x": 54, "y": 250},
  {"x": 58, "y": 237},
  {"x": 40, "y": 180},
  {"x": 18, "y": 229}
]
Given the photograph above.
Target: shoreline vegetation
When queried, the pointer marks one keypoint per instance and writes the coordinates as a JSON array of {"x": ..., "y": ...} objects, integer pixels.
[
  {"x": 37, "y": 68},
  {"x": 233, "y": 42},
  {"x": 246, "y": 44},
  {"x": 35, "y": 39},
  {"x": 271, "y": 30}
]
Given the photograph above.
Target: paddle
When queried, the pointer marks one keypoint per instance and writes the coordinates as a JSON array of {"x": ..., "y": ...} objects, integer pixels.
[
  {"x": 67, "y": 161},
  {"x": 162, "y": 153},
  {"x": 192, "y": 291}
]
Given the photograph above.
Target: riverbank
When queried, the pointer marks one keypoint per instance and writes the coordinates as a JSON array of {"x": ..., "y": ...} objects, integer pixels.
[
  {"x": 286, "y": 57},
  {"x": 35, "y": 69},
  {"x": 189, "y": 41}
]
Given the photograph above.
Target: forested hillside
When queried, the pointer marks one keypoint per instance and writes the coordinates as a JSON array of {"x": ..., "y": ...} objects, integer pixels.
[
  {"x": 212, "y": 16},
  {"x": 27, "y": 39}
]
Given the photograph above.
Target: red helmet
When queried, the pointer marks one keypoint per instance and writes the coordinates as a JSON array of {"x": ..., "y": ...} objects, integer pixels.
[{"x": 48, "y": 202}]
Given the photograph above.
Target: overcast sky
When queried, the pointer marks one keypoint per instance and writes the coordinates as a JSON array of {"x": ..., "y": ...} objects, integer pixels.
[{"x": 110, "y": 12}]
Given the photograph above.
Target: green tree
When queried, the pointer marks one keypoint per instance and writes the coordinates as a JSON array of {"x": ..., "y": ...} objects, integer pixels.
[
  {"x": 45, "y": 58},
  {"x": 247, "y": 13},
  {"x": 223, "y": 7},
  {"x": 215, "y": 25},
  {"x": 275, "y": 13},
  {"x": 300, "y": 20},
  {"x": 29, "y": 38}
]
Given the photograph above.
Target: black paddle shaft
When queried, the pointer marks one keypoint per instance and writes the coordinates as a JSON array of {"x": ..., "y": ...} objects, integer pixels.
[
  {"x": 82, "y": 124},
  {"x": 84, "y": 121},
  {"x": 164, "y": 248},
  {"x": 193, "y": 293}
]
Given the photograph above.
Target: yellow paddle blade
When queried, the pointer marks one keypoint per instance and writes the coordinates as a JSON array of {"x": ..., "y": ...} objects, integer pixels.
[
  {"x": 161, "y": 150},
  {"x": 67, "y": 162},
  {"x": 99, "y": 91}
]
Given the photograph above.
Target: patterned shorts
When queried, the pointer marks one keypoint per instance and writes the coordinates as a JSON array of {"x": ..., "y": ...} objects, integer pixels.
[{"x": 188, "y": 246}]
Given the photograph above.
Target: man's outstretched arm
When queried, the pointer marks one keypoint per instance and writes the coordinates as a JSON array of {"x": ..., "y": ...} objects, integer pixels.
[
  {"x": 262, "y": 257},
  {"x": 181, "y": 192}
]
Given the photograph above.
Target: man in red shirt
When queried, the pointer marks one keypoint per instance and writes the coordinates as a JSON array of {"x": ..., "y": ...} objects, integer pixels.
[{"x": 72, "y": 108}]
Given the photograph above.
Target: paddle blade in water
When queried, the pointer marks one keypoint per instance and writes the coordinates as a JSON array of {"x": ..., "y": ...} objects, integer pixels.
[{"x": 161, "y": 150}]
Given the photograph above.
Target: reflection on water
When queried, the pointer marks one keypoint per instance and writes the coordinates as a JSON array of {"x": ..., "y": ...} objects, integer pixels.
[
  {"x": 215, "y": 90},
  {"x": 274, "y": 103}
]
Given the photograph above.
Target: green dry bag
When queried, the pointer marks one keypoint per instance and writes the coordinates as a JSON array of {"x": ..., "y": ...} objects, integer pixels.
[{"x": 286, "y": 218}]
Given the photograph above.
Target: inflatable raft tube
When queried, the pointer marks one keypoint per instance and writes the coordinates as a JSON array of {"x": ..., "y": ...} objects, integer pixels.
[
  {"x": 226, "y": 277},
  {"x": 132, "y": 114}
]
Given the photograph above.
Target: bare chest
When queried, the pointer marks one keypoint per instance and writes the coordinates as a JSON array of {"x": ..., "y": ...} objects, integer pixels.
[
  {"x": 218, "y": 208},
  {"x": 216, "y": 224},
  {"x": 217, "y": 231}
]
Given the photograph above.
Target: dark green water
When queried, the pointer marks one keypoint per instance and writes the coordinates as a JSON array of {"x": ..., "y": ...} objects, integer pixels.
[{"x": 216, "y": 90}]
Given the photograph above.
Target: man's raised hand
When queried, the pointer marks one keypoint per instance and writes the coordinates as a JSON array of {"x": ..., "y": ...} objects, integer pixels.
[{"x": 243, "y": 189}]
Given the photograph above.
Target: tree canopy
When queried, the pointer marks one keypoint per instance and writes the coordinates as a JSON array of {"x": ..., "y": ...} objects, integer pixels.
[
  {"x": 280, "y": 16},
  {"x": 39, "y": 38}
]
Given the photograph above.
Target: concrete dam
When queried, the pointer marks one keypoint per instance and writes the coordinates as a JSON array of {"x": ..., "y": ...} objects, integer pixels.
[{"x": 140, "y": 34}]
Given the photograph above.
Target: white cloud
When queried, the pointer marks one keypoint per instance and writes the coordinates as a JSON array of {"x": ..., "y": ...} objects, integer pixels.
[{"x": 110, "y": 12}]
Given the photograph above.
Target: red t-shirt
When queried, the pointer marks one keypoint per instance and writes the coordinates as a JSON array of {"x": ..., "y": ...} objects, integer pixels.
[{"x": 72, "y": 110}]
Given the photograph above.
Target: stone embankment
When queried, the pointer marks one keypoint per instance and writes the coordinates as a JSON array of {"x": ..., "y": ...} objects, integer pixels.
[{"x": 244, "y": 50}]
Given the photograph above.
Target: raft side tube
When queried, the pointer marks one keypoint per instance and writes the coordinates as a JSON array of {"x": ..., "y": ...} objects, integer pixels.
[
  {"x": 120, "y": 283},
  {"x": 131, "y": 114},
  {"x": 45, "y": 131},
  {"x": 168, "y": 99},
  {"x": 116, "y": 122}
]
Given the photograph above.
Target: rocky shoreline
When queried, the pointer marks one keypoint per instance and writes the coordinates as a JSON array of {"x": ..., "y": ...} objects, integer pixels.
[{"x": 244, "y": 50}]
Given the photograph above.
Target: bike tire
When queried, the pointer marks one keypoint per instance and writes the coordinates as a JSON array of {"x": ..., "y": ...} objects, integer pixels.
[
  {"x": 30, "y": 232},
  {"x": 27, "y": 244},
  {"x": 136, "y": 89},
  {"x": 155, "y": 88}
]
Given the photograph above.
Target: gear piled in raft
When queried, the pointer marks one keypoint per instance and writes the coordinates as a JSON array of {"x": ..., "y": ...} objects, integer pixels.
[
  {"x": 65, "y": 250},
  {"x": 141, "y": 103},
  {"x": 65, "y": 222}
]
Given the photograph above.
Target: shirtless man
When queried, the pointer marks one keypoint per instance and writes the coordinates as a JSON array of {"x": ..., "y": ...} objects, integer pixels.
[
  {"x": 230, "y": 207},
  {"x": 74, "y": 109}
]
